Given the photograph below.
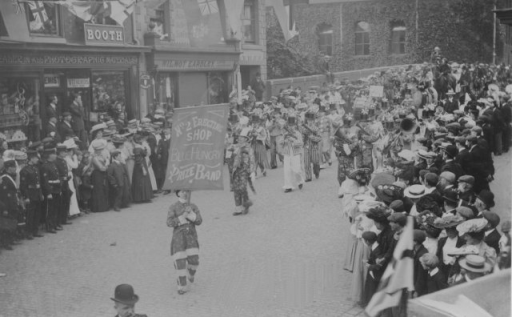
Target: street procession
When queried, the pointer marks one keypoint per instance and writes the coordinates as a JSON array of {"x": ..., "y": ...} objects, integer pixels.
[{"x": 165, "y": 157}]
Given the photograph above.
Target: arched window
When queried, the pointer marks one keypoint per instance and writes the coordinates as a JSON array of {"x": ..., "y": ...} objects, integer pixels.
[
  {"x": 362, "y": 38},
  {"x": 398, "y": 38},
  {"x": 324, "y": 33}
]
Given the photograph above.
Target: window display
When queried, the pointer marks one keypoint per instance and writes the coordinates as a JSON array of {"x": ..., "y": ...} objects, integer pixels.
[{"x": 109, "y": 93}]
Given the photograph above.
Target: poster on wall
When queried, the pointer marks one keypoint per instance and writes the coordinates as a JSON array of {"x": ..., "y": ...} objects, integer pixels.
[{"x": 196, "y": 156}]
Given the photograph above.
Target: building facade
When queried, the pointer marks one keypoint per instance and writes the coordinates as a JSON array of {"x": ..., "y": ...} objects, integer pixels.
[
  {"x": 360, "y": 34},
  {"x": 154, "y": 54}
]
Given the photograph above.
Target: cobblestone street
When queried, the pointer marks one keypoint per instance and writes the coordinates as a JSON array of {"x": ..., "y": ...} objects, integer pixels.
[{"x": 284, "y": 258}]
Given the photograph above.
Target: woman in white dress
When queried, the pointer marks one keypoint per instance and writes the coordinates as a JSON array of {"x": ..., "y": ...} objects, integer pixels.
[
  {"x": 128, "y": 154},
  {"x": 148, "y": 162},
  {"x": 72, "y": 161}
]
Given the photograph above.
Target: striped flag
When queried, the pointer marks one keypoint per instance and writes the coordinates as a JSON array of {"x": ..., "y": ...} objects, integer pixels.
[{"x": 397, "y": 276}]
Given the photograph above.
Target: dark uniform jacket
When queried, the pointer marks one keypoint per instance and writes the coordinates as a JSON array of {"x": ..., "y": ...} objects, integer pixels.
[
  {"x": 30, "y": 183},
  {"x": 50, "y": 180},
  {"x": 463, "y": 158},
  {"x": 9, "y": 194},
  {"x": 62, "y": 167}
]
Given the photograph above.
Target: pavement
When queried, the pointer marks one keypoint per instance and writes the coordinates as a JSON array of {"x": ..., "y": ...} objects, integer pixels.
[{"x": 285, "y": 258}]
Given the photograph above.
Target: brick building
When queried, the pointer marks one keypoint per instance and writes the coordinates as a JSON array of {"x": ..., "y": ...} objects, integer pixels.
[{"x": 361, "y": 34}]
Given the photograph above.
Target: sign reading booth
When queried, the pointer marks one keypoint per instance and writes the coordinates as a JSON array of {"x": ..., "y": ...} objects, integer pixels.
[
  {"x": 196, "y": 156},
  {"x": 101, "y": 34}
]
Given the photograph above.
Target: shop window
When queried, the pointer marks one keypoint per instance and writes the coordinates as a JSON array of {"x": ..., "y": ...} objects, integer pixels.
[
  {"x": 362, "y": 38},
  {"x": 324, "y": 33},
  {"x": 249, "y": 21},
  {"x": 43, "y": 18},
  {"x": 217, "y": 88},
  {"x": 398, "y": 38},
  {"x": 109, "y": 93}
]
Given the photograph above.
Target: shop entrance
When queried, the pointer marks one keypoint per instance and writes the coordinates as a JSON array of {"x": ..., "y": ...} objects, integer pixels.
[{"x": 248, "y": 73}]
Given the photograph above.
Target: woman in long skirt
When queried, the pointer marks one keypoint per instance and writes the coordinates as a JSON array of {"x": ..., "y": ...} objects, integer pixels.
[
  {"x": 149, "y": 167},
  {"x": 99, "y": 178},
  {"x": 141, "y": 185},
  {"x": 128, "y": 153},
  {"x": 183, "y": 217},
  {"x": 259, "y": 146},
  {"x": 72, "y": 161},
  {"x": 119, "y": 143}
]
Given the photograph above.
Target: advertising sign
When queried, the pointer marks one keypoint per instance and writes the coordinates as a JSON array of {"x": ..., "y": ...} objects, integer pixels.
[
  {"x": 79, "y": 83},
  {"x": 376, "y": 91},
  {"x": 196, "y": 156},
  {"x": 102, "y": 34}
]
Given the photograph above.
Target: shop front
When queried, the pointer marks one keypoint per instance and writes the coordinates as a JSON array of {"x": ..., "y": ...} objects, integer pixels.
[
  {"x": 30, "y": 80},
  {"x": 192, "y": 78}
]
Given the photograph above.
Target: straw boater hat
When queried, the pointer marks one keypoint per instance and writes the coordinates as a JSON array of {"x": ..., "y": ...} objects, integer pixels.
[
  {"x": 415, "y": 191},
  {"x": 475, "y": 263}
]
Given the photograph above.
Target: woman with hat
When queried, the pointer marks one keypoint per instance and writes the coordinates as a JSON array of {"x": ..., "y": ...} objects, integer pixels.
[
  {"x": 346, "y": 143},
  {"x": 72, "y": 162},
  {"x": 183, "y": 217},
  {"x": 144, "y": 143},
  {"x": 141, "y": 183},
  {"x": 97, "y": 134},
  {"x": 448, "y": 243},
  {"x": 293, "y": 152},
  {"x": 125, "y": 300},
  {"x": 99, "y": 177}
]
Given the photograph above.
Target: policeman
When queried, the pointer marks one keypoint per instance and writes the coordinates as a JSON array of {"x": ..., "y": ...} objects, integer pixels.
[
  {"x": 51, "y": 187},
  {"x": 10, "y": 199},
  {"x": 31, "y": 193},
  {"x": 62, "y": 167}
]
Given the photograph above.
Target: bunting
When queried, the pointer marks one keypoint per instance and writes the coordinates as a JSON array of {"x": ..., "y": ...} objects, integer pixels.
[{"x": 283, "y": 16}]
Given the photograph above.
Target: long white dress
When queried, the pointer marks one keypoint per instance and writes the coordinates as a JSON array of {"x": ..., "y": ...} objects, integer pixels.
[
  {"x": 150, "y": 168},
  {"x": 73, "y": 203}
]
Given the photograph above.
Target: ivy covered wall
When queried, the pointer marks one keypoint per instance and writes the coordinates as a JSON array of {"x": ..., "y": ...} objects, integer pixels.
[{"x": 461, "y": 28}]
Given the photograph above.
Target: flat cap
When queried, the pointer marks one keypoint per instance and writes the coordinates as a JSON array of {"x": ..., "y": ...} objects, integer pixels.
[
  {"x": 467, "y": 179},
  {"x": 419, "y": 236},
  {"x": 492, "y": 218},
  {"x": 399, "y": 218}
]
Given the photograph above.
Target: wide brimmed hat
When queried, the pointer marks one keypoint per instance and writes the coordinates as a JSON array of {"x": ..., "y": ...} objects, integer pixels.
[
  {"x": 379, "y": 214},
  {"x": 100, "y": 126},
  {"x": 70, "y": 144},
  {"x": 415, "y": 191},
  {"x": 360, "y": 172},
  {"x": 475, "y": 263},
  {"x": 118, "y": 139},
  {"x": 389, "y": 193},
  {"x": 125, "y": 294},
  {"x": 472, "y": 225},
  {"x": 448, "y": 221},
  {"x": 450, "y": 92}
]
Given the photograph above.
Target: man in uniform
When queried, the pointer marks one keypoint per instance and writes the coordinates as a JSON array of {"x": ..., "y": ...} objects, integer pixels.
[
  {"x": 9, "y": 196},
  {"x": 65, "y": 197},
  {"x": 51, "y": 187},
  {"x": 30, "y": 188}
]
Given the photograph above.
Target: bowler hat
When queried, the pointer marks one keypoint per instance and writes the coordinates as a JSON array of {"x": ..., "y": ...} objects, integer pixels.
[
  {"x": 369, "y": 236},
  {"x": 125, "y": 294},
  {"x": 487, "y": 197},
  {"x": 451, "y": 151}
]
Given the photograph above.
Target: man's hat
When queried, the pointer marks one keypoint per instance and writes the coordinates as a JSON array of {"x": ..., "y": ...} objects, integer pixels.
[
  {"x": 451, "y": 151},
  {"x": 10, "y": 163},
  {"x": 397, "y": 205},
  {"x": 125, "y": 294},
  {"x": 448, "y": 221},
  {"x": 465, "y": 212},
  {"x": 50, "y": 150},
  {"x": 450, "y": 92},
  {"x": 31, "y": 153},
  {"x": 492, "y": 218},
  {"x": 398, "y": 218},
  {"x": 451, "y": 195},
  {"x": 35, "y": 145},
  {"x": 66, "y": 114},
  {"x": 475, "y": 263},
  {"x": 487, "y": 197},
  {"x": 291, "y": 120},
  {"x": 369, "y": 236},
  {"x": 310, "y": 115},
  {"x": 449, "y": 176},
  {"x": 61, "y": 148},
  {"x": 389, "y": 193},
  {"x": 20, "y": 156},
  {"x": 419, "y": 236},
  {"x": 467, "y": 179},
  {"x": 415, "y": 191}
]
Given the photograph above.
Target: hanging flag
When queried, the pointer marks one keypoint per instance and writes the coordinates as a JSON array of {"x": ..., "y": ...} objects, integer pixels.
[
  {"x": 38, "y": 11},
  {"x": 203, "y": 29},
  {"x": 234, "y": 11},
  {"x": 209, "y": 6},
  {"x": 283, "y": 16},
  {"x": 397, "y": 276},
  {"x": 121, "y": 10},
  {"x": 15, "y": 20},
  {"x": 81, "y": 10}
]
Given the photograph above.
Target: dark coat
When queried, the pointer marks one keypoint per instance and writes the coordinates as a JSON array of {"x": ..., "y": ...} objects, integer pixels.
[
  {"x": 77, "y": 112},
  {"x": 62, "y": 168},
  {"x": 50, "y": 112},
  {"x": 463, "y": 158},
  {"x": 9, "y": 194},
  {"x": 497, "y": 120},
  {"x": 65, "y": 130},
  {"x": 437, "y": 282},
  {"x": 51, "y": 128},
  {"x": 372, "y": 283},
  {"x": 420, "y": 274},
  {"x": 163, "y": 152},
  {"x": 493, "y": 240},
  {"x": 453, "y": 167},
  {"x": 506, "y": 113},
  {"x": 30, "y": 183},
  {"x": 50, "y": 181},
  {"x": 115, "y": 174},
  {"x": 386, "y": 242},
  {"x": 451, "y": 106}
]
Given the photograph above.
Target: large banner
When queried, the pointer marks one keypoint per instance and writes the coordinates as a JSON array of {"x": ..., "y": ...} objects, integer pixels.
[{"x": 196, "y": 156}]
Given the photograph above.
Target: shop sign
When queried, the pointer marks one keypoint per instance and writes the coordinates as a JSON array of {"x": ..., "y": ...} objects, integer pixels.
[
  {"x": 10, "y": 59},
  {"x": 79, "y": 82},
  {"x": 376, "y": 91},
  {"x": 188, "y": 65},
  {"x": 51, "y": 81},
  {"x": 101, "y": 34},
  {"x": 145, "y": 81}
]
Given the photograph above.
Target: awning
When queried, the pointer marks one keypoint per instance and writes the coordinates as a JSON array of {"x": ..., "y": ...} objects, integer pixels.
[{"x": 504, "y": 15}]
